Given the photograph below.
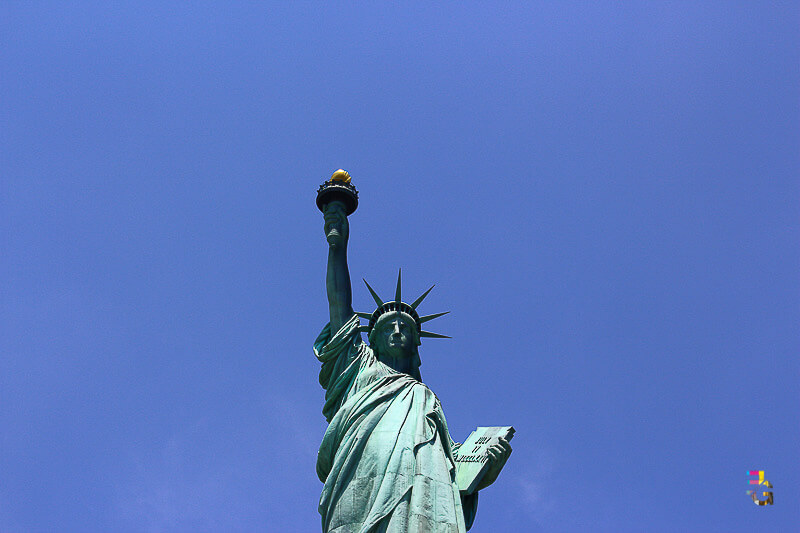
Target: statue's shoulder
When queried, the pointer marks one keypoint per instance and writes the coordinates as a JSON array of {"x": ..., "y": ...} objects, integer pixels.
[{"x": 366, "y": 353}]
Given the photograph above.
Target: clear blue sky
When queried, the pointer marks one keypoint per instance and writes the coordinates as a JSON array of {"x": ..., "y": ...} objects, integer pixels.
[{"x": 606, "y": 194}]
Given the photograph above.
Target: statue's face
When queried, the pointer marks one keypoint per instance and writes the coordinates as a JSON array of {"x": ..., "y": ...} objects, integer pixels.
[{"x": 395, "y": 336}]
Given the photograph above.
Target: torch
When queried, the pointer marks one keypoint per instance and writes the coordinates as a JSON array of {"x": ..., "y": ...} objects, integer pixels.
[{"x": 337, "y": 189}]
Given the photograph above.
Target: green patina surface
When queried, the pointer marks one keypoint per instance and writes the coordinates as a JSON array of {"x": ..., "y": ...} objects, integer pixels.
[{"x": 387, "y": 458}]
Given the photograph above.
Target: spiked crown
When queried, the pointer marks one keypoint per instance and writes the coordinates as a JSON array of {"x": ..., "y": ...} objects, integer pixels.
[{"x": 397, "y": 305}]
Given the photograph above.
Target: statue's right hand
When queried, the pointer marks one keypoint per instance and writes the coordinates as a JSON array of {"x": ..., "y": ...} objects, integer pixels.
[{"x": 337, "y": 228}]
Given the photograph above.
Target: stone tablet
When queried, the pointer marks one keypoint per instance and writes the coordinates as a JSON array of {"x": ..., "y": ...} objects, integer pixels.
[{"x": 471, "y": 458}]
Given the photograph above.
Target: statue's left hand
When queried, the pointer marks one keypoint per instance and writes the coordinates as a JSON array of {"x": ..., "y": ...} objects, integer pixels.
[{"x": 498, "y": 455}]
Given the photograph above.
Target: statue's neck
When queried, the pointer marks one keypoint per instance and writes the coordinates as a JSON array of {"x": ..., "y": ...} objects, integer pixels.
[{"x": 400, "y": 364}]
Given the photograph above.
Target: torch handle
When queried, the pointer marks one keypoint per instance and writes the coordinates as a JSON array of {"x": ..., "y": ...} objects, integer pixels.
[
  {"x": 332, "y": 236},
  {"x": 332, "y": 233}
]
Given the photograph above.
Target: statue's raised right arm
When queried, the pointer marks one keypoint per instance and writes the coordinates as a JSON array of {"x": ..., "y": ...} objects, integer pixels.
[{"x": 340, "y": 295}]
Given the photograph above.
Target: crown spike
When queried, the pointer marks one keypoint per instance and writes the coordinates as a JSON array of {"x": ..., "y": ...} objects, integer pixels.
[
  {"x": 433, "y": 335},
  {"x": 365, "y": 315},
  {"x": 397, "y": 292},
  {"x": 419, "y": 300},
  {"x": 374, "y": 295},
  {"x": 365, "y": 329},
  {"x": 431, "y": 317}
]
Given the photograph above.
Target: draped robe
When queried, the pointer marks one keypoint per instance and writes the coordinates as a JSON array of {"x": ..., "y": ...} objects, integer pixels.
[{"x": 387, "y": 457}]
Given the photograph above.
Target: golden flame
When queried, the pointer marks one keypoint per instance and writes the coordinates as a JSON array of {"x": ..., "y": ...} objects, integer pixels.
[{"x": 341, "y": 175}]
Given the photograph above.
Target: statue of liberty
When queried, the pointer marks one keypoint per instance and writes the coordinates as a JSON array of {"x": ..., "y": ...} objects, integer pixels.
[{"x": 387, "y": 458}]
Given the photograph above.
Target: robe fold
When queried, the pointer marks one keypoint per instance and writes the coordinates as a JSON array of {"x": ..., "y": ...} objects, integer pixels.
[{"x": 387, "y": 457}]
